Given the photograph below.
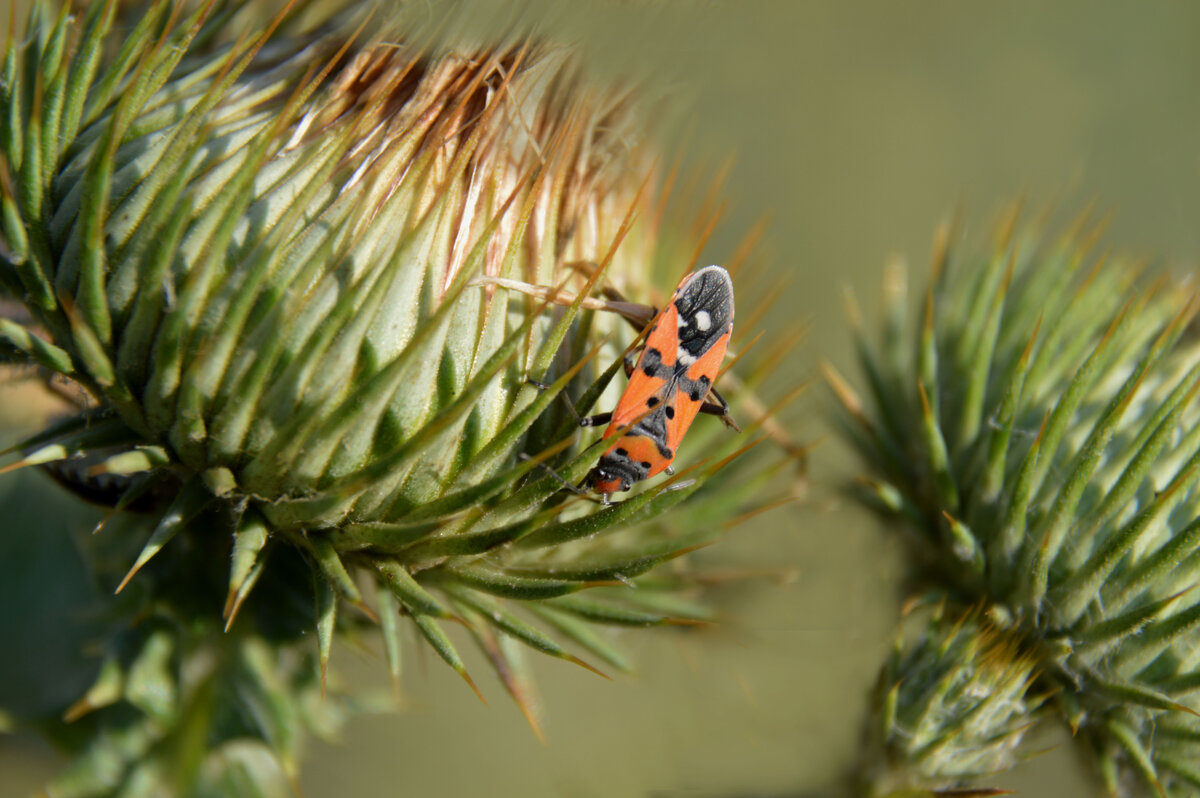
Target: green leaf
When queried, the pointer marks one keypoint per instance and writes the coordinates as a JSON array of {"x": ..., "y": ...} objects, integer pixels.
[
  {"x": 1001, "y": 435},
  {"x": 1122, "y": 626},
  {"x": 190, "y": 502},
  {"x": 1184, "y": 769},
  {"x": 151, "y": 684},
  {"x": 35, "y": 348},
  {"x": 505, "y": 584},
  {"x": 389, "y": 624},
  {"x": 505, "y": 621},
  {"x": 326, "y": 615},
  {"x": 582, "y": 633},
  {"x": 1155, "y": 434},
  {"x": 415, "y": 445},
  {"x": 646, "y": 504},
  {"x": 977, "y": 355},
  {"x": 1084, "y": 585},
  {"x": 416, "y": 599},
  {"x": 938, "y": 457},
  {"x": 84, "y": 65},
  {"x": 609, "y": 613},
  {"x": 330, "y": 564},
  {"x": 1138, "y": 695},
  {"x": 107, "y": 689},
  {"x": 133, "y": 45},
  {"x": 516, "y": 426},
  {"x": 609, "y": 567},
  {"x": 249, "y": 540},
  {"x": 441, "y": 644},
  {"x": 1139, "y": 757}
]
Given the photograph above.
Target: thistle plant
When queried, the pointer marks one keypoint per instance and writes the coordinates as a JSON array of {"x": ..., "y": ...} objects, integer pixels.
[
  {"x": 952, "y": 706},
  {"x": 1034, "y": 434},
  {"x": 270, "y": 257}
]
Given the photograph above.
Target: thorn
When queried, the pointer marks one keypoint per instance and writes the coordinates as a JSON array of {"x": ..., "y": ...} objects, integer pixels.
[
  {"x": 137, "y": 566},
  {"x": 235, "y": 598},
  {"x": 362, "y": 607},
  {"x": 586, "y": 666},
  {"x": 687, "y": 622},
  {"x": 19, "y": 464},
  {"x": 471, "y": 683}
]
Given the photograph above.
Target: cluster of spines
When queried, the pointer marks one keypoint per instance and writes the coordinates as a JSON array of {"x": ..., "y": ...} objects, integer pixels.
[
  {"x": 953, "y": 705},
  {"x": 224, "y": 244},
  {"x": 1039, "y": 442}
]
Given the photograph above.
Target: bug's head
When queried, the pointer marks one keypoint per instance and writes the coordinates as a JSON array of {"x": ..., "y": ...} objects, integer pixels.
[
  {"x": 605, "y": 480},
  {"x": 616, "y": 471}
]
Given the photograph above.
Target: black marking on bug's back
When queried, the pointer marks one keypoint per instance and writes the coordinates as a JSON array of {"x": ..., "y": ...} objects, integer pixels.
[
  {"x": 705, "y": 305},
  {"x": 617, "y": 465},
  {"x": 651, "y": 362},
  {"x": 695, "y": 389},
  {"x": 653, "y": 425}
]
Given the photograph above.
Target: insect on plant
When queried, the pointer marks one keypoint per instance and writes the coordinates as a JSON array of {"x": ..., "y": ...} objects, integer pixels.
[{"x": 670, "y": 382}]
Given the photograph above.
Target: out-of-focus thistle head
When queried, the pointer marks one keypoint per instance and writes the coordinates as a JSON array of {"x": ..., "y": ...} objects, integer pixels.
[
  {"x": 1036, "y": 432},
  {"x": 268, "y": 256},
  {"x": 951, "y": 707}
]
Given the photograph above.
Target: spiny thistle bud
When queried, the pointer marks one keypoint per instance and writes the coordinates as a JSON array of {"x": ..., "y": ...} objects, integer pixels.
[
  {"x": 950, "y": 707},
  {"x": 277, "y": 265},
  {"x": 1037, "y": 435}
]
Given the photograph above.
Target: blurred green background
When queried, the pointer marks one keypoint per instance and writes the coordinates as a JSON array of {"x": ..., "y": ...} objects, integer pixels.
[{"x": 855, "y": 128}]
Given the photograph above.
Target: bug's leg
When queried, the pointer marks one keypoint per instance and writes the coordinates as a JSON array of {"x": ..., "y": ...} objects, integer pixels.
[
  {"x": 719, "y": 407},
  {"x": 631, "y": 359},
  {"x": 636, "y": 314},
  {"x": 600, "y": 419},
  {"x": 578, "y": 490},
  {"x": 597, "y": 420}
]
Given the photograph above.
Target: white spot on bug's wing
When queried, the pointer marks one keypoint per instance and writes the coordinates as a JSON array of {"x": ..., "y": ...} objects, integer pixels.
[
  {"x": 703, "y": 320},
  {"x": 680, "y": 321},
  {"x": 684, "y": 358}
]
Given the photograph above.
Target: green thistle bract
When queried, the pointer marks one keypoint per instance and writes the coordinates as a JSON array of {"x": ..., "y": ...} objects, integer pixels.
[
  {"x": 1037, "y": 434},
  {"x": 261, "y": 258},
  {"x": 950, "y": 707}
]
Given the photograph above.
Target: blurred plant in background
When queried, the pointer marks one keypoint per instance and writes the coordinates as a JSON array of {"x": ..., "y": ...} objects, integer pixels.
[
  {"x": 251, "y": 247},
  {"x": 964, "y": 719},
  {"x": 1035, "y": 434}
]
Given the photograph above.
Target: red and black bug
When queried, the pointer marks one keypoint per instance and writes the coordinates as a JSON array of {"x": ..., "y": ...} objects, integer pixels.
[{"x": 671, "y": 383}]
